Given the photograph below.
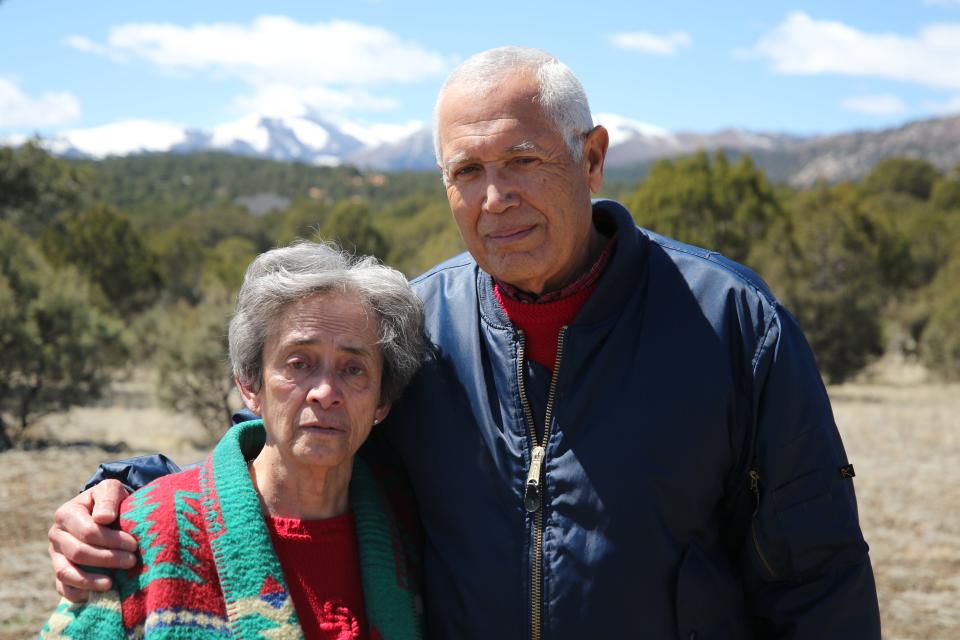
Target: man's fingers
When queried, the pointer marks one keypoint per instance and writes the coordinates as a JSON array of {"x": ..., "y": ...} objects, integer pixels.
[
  {"x": 105, "y": 552},
  {"x": 75, "y": 596},
  {"x": 107, "y": 497},
  {"x": 73, "y": 583},
  {"x": 74, "y": 520}
]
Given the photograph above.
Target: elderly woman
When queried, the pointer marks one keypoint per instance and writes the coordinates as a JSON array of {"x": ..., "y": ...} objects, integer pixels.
[{"x": 282, "y": 533}]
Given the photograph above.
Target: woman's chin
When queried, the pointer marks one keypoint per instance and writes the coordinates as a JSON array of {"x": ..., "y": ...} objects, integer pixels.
[{"x": 318, "y": 451}]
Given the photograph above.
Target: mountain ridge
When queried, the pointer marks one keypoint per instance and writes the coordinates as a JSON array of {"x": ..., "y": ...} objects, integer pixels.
[{"x": 794, "y": 159}]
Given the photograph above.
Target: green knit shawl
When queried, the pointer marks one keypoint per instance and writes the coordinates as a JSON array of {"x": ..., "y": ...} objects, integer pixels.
[{"x": 246, "y": 561}]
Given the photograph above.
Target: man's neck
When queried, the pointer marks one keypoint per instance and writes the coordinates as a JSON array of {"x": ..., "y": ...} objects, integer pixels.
[{"x": 595, "y": 245}]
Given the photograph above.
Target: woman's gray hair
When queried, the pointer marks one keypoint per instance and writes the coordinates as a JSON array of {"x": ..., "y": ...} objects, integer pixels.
[
  {"x": 280, "y": 277},
  {"x": 559, "y": 93}
]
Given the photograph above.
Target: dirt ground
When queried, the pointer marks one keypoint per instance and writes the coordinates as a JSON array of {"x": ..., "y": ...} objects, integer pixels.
[{"x": 901, "y": 432}]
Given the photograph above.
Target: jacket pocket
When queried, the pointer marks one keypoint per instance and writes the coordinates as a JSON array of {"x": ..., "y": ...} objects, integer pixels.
[
  {"x": 817, "y": 517},
  {"x": 709, "y": 600}
]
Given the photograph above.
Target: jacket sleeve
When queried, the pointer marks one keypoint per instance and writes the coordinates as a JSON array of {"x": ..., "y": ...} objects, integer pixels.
[
  {"x": 133, "y": 473},
  {"x": 98, "y": 619},
  {"x": 805, "y": 562},
  {"x": 140, "y": 471}
]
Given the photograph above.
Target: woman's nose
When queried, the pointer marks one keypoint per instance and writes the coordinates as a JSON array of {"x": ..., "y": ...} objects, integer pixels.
[{"x": 324, "y": 391}]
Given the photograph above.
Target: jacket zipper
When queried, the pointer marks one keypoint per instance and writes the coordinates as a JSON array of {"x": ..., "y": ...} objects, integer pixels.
[
  {"x": 533, "y": 492},
  {"x": 755, "y": 488}
]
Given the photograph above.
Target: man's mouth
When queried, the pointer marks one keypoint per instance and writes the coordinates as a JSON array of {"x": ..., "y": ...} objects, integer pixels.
[{"x": 510, "y": 234}]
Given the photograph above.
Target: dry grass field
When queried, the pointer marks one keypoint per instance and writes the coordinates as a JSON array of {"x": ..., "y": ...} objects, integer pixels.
[{"x": 901, "y": 431}]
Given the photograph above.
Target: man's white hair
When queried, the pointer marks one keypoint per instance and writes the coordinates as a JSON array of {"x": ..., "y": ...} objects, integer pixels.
[{"x": 559, "y": 93}]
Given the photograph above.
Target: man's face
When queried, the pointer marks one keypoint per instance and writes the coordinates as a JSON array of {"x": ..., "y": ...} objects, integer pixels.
[{"x": 521, "y": 203}]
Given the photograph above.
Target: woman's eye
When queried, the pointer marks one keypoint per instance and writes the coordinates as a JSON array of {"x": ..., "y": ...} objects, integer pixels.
[
  {"x": 354, "y": 370},
  {"x": 297, "y": 365}
]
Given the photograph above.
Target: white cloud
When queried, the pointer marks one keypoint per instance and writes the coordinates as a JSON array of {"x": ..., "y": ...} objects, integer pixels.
[
  {"x": 288, "y": 101},
  {"x": 86, "y": 45},
  {"x": 663, "y": 45},
  {"x": 950, "y": 107},
  {"x": 377, "y": 134},
  {"x": 276, "y": 49},
  {"x": 880, "y": 105},
  {"x": 82, "y": 43},
  {"x": 803, "y": 45},
  {"x": 123, "y": 137},
  {"x": 20, "y": 110},
  {"x": 13, "y": 139}
]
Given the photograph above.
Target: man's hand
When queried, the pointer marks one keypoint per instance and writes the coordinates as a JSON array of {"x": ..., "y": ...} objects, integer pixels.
[{"x": 81, "y": 535}]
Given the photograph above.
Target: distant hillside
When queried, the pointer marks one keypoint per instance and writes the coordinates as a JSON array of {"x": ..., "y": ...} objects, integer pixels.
[
  {"x": 172, "y": 184},
  {"x": 151, "y": 185},
  {"x": 802, "y": 161}
]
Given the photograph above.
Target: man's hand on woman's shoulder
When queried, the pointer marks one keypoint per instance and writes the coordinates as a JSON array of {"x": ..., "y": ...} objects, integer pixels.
[{"x": 82, "y": 535}]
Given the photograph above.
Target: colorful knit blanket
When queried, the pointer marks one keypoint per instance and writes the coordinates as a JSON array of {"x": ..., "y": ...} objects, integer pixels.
[{"x": 208, "y": 569}]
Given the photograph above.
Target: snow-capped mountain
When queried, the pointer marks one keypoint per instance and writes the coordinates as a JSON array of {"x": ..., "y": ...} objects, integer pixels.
[
  {"x": 633, "y": 144},
  {"x": 316, "y": 141},
  {"x": 411, "y": 152},
  {"x": 302, "y": 139}
]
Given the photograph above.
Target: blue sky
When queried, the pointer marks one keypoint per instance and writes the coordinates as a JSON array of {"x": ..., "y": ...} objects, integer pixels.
[{"x": 805, "y": 68}]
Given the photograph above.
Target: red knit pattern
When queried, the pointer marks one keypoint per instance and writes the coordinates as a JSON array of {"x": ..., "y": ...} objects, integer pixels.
[
  {"x": 321, "y": 565},
  {"x": 153, "y": 518},
  {"x": 541, "y": 321}
]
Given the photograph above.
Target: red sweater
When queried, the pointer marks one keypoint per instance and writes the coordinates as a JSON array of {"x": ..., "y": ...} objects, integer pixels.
[
  {"x": 541, "y": 321},
  {"x": 321, "y": 565},
  {"x": 541, "y": 318}
]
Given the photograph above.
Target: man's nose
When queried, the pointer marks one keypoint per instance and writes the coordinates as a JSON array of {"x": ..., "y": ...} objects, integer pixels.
[
  {"x": 324, "y": 390},
  {"x": 500, "y": 194}
]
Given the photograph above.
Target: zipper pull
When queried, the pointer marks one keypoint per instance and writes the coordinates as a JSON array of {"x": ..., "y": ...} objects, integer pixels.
[
  {"x": 531, "y": 498},
  {"x": 754, "y": 481}
]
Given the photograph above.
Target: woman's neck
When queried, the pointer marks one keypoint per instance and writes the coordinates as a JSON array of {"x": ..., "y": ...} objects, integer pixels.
[{"x": 289, "y": 490}]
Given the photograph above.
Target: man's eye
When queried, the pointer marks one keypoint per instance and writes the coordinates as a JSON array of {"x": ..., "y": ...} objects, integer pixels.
[
  {"x": 463, "y": 172},
  {"x": 525, "y": 161},
  {"x": 298, "y": 365}
]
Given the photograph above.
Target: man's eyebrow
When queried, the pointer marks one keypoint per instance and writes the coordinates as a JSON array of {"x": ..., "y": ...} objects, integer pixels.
[
  {"x": 462, "y": 157},
  {"x": 526, "y": 145},
  {"x": 457, "y": 158}
]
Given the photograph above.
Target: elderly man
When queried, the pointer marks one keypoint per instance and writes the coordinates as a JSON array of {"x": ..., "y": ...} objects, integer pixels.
[{"x": 619, "y": 435}]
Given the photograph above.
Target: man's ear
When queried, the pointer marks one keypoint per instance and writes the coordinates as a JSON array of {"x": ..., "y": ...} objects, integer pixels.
[
  {"x": 250, "y": 397},
  {"x": 594, "y": 154}
]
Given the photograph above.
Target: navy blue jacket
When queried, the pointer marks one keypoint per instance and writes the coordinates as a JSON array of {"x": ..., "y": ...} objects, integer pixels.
[
  {"x": 679, "y": 377},
  {"x": 694, "y": 484}
]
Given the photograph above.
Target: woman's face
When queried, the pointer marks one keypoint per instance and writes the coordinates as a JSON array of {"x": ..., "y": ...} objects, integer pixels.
[{"x": 322, "y": 368}]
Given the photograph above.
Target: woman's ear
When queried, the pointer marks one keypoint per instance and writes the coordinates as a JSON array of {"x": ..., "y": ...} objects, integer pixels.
[
  {"x": 250, "y": 397},
  {"x": 381, "y": 413}
]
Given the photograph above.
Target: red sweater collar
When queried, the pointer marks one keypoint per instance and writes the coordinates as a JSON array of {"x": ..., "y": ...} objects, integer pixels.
[{"x": 541, "y": 318}]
